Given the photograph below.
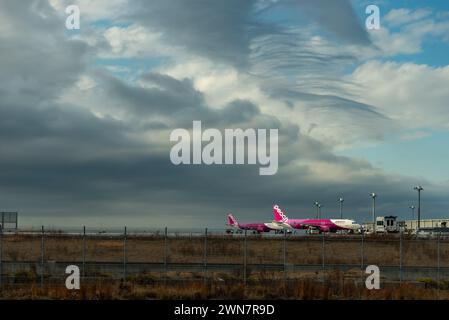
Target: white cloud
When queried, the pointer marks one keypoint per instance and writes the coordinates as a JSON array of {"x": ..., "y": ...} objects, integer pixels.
[
  {"x": 414, "y": 135},
  {"x": 397, "y": 17},
  {"x": 411, "y": 94},
  {"x": 93, "y": 10},
  {"x": 414, "y": 28},
  {"x": 133, "y": 41}
]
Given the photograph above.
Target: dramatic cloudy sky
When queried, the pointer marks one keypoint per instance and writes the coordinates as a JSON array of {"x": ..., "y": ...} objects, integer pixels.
[{"x": 86, "y": 115}]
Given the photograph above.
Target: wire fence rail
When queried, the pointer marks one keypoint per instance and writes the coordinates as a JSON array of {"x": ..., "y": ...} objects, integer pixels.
[{"x": 164, "y": 255}]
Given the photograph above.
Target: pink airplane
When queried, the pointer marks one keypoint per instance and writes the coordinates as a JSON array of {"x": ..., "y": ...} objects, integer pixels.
[
  {"x": 323, "y": 225},
  {"x": 253, "y": 226}
]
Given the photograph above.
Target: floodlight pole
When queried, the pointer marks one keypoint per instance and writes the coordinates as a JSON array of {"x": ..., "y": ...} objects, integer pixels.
[
  {"x": 419, "y": 189},
  {"x": 374, "y": 196},
  {"x": 413, "y": 212},
  {"x": 317, "y": 208},
  {"x": 341, "y": 200}
]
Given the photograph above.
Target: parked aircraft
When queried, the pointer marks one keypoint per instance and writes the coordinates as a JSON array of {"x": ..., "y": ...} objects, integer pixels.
[
  {"x": 322, "y": 225},
  {"x": 253, "y": 226}
]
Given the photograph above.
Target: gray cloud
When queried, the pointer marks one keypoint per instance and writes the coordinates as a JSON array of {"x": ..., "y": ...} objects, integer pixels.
[
  {"x": 216, "y": 29},
  {"x": 62, "y": 159},
  {"x": 336, "y": 17},
  {"x": 79, "y": 163},
  {"x": 225, "y": 30},
  {"x": 180, "y": 103}
]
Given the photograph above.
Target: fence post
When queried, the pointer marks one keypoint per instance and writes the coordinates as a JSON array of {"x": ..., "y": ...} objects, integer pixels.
[
  {"x": 205, "y": 256},
  {"x": 244, "y": 259},
  {"x": 124, "y": 255},
  {"x": 400, "y": 257},
  {"x": 285, "y": 256},
  {"x": 438, "y": 265},
  {"x": 165, "y": 253},
  {"x": 42, "y": 256},
  {"x": 362, "y": 257},
  {"x": 1, "y": 256},
  {"x": 323, "y": 255},
  {"x": 84, "y": 252}
]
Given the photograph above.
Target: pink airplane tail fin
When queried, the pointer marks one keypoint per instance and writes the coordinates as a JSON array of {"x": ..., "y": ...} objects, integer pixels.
[
  {"x": 232, "y": 221},
  {"x": 280, "y": 216}
]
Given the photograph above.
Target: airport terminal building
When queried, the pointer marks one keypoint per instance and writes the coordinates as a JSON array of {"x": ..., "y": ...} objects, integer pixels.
[
  {"x": 426, "y": 223},
  {"x": 391, "y": 224}
]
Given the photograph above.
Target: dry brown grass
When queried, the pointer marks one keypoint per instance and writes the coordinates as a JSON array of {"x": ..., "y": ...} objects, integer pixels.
[
  {"x": 227, "y": 249},
  {"x": 334, "y": 286}
]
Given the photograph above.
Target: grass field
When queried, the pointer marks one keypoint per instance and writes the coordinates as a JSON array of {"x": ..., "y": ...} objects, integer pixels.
[
  {"x": 335, "y": 286},
  {"x": 225, "y": 249}
]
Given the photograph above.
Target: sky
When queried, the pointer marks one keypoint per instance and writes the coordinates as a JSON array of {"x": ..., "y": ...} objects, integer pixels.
[{"x": 86, "y": 115}]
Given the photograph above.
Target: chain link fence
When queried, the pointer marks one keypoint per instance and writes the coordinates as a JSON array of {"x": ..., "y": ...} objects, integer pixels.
[{"x": 160, "y": 255}]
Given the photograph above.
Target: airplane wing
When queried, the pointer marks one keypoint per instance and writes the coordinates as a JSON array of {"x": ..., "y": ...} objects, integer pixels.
[
  {"x": 275, "y": 226},
  {"x": 321, "y": 228},
  {"x": 279, "y": 225},
  {"x": 313, "y": 226}
]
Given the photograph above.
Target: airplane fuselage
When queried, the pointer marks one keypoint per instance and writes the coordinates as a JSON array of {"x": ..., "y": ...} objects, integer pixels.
[
  {"x": 324, "y": 225},
  {"x": 259, "y": 227},
  {"x": 328, "y": 225}
]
